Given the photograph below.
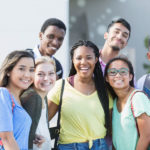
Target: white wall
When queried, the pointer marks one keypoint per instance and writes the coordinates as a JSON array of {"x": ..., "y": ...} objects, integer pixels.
[{"x": 21, "y": 20}]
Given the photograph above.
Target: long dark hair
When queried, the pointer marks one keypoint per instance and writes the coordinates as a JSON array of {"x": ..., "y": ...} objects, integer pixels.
[
  {"x": 98, "y": 77},
  {"x": 131, "y": 71}
]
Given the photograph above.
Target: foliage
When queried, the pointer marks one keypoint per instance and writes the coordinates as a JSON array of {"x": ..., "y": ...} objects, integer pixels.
[{"x": 147, "y": 46}]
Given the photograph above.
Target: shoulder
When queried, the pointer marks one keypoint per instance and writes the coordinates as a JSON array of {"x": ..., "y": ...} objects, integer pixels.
[
  {"x": 57, "y": 87},
  {"x": 139, "y": 98},
  {"x": 29, "y": 94},
  {"x": 140, "y": 82},
  {"x": 58, "y": 64},
  {"x": 4, "y": 92}
]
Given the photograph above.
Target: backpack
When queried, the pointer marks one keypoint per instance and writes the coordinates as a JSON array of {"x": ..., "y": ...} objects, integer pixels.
[
  {"x": 146, "y": 87},
  {"x": 13, "y": 105}
]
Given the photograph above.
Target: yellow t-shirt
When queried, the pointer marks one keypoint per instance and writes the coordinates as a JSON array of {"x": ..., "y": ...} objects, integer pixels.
[{"x": 82, "y": 116}]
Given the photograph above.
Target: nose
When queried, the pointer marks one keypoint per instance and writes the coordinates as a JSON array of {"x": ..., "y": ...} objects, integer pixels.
[
  {"x": 27, "y": 74},
  {"x": 46, "y": 77},
  {"x": 119, "y": 36},
  {"x": 118, "y": 74},
  {"x": 55, "y": 42},
  {"x": 83, "y": 61}
]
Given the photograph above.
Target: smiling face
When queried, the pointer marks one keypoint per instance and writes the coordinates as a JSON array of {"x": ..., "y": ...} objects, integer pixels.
[
  {"x": 45, "y": 77},
  {"x": 51, "y": 40},
  {"x": 117, "y": 36},
  {"x": 120, "y": 80},
  {"x": 22, "y": 75},
  {"x": 84, "y": 61}
]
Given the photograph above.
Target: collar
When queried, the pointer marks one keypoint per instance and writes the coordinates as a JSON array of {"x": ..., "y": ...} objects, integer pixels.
[{"x": 36, "y": 51}]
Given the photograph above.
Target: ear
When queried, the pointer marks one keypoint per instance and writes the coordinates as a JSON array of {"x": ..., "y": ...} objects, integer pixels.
[
  {"x": 96, "y": 60},
  {"x": 148, "y": 55},
  {"x": 8, "y": 74},
  {"x": 130, "y": 77},
  {"x": 105, "y": 35},
  {"x": 107, "y": 78},
  {"x": 40, "y": 35}
]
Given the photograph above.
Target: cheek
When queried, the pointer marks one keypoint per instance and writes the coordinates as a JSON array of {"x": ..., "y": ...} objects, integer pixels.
[
  {"x": 37, "y": 82},
  {"x": 109, "y": 80}
]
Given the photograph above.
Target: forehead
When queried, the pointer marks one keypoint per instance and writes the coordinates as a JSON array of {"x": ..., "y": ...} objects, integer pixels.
[
  {"x": 45, "y": 67},
  {"x": 83, "y": 50},
  {"x": 25, "y": 61},
  {"x": 54, "y": 30},
  {"x": 118, "y": 64},
  {"x": 119, "y": 26}
]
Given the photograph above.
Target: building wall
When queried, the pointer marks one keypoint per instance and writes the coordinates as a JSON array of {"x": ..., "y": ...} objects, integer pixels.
[
  {"x": 89, "y": 20},
  {"x": 21, "y": 22}
]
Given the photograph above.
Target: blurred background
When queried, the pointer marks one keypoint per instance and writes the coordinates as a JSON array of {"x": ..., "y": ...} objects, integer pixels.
[{"x": 21, "y": 21}]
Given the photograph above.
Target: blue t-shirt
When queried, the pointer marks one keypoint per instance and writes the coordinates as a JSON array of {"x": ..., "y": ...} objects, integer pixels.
[{"x": 18, "y": 121}]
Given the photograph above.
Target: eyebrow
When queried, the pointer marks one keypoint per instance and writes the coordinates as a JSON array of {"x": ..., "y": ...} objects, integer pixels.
[
  {"x": 118, "y": 29},
  {"x": 25, "y": 66}
]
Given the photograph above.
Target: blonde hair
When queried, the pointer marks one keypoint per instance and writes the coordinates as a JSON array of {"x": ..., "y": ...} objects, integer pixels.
[{"x": 45, "y": 59}]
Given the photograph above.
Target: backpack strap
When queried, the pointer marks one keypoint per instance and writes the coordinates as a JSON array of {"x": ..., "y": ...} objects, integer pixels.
[
  {"x": 59, "y": 109},
  {"x": 146, "y": 87},
  {"x": 13, "y": 104}
]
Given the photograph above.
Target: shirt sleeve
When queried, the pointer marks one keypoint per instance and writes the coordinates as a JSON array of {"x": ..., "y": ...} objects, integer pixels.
[
  {"x": 140, "y": 82},
  {"x": 54, "y": 94},
  {"x": 6, "y": 114},
  {"x": 141, "y": 104}
]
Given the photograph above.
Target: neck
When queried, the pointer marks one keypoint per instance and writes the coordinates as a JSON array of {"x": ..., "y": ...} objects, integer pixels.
[
  {"x": 123, "y": 94},
  {"x": 41, "y": 51},
  {"x": 83, "y": 80},
  {"x": 15, "y": 92},
  {"x": 41, "y": 93},
  {"x": 107, "y": 53}
]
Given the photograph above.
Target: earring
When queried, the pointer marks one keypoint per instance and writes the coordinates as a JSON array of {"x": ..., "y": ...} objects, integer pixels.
[{"x": 8, "y": 74}]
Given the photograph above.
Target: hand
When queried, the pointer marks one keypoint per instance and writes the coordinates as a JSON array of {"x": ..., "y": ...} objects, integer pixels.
[{"x": 39, "y": 140}]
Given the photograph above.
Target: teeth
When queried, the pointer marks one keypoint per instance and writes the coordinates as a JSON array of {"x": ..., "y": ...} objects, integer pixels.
[
  {"x": 26, "y": 81},
  {"x": 53, "y": 48},
  {"x": 84, "y": 68}
]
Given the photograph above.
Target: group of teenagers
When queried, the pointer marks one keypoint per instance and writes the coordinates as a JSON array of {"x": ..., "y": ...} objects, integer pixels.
[{"x": 100, "y": 100}]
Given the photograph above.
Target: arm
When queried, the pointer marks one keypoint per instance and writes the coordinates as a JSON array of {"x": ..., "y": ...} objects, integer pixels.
[
  {"x": 143, "y": 122},
  {"x": 52, "y": 109},
  {"x": 9, "y": 141}
]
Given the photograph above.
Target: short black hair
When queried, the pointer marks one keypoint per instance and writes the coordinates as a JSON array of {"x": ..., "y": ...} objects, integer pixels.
[
  {"x": 123, "y": 22},
  {"x": 53, "y": 22}
]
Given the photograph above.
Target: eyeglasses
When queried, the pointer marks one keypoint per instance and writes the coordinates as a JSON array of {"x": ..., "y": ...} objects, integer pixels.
[{"x": 114, "y": 71}]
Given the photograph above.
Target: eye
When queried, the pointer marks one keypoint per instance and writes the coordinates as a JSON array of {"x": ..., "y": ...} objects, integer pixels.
[
  {"x": 124, "y": 71},
  {"x": 40, "y": 74},
  {"x": 125, "y": 35},
  {"x": 32, "y": 70},
  {"x": 89, "y": 57},
  {"x": 60, "y": 39},
  {"x": 78, "y": 58},
  {"x": 51, "y": 36},
  {"x": 112, "y": 72},
  {"x": 51, "y": 73},
  {"x": 22, "y": 69},
  {"x": 116, "y": 31}
]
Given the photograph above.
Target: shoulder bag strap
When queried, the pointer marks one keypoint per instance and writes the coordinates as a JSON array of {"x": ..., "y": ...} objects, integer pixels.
[
  {"x": 13, "y": 104},
  {"x": 133, "y": 110},
  {"x": 146, "y": 87},
  {"x": 59, "y": 109}
]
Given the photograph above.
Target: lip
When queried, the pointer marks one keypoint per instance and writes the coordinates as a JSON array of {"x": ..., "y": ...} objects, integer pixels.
[{"x": 53, "y": 48}]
